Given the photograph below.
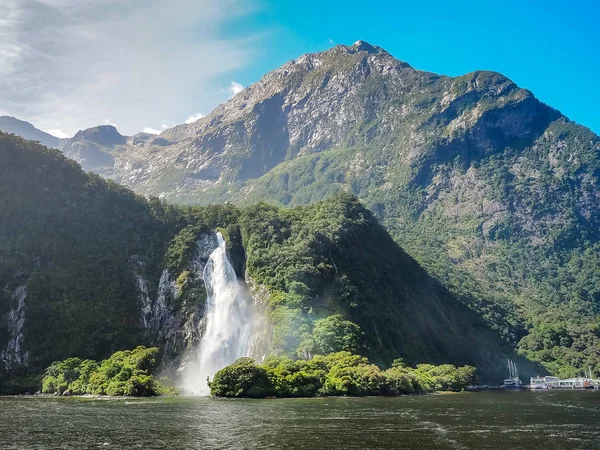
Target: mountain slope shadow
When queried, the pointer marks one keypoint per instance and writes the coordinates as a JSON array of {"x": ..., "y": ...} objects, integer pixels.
[{"x": 358, "y": 271}]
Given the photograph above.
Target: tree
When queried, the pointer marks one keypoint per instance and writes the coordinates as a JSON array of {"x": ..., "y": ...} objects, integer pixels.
[
  {"x": 243, "y": 378},
  {"x": 334, "y": 334}
]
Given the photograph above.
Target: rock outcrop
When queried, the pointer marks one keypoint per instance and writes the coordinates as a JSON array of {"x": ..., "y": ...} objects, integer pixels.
[{"x": 14, "y": 353}]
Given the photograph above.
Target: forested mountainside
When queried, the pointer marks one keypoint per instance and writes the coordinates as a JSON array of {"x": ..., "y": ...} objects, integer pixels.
[
  {"x": 88, "y": 268},
  {"x": 495, "y": 193},
  {"x": 70, "y": 243}
]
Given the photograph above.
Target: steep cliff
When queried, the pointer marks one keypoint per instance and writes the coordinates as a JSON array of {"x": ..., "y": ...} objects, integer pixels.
[
  {"x": 87, "y": 268},
  {"x": 494, "y": 192}
]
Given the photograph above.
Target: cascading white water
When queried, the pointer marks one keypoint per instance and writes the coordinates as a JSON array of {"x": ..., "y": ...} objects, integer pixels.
[{"x": 228, "y": 320}]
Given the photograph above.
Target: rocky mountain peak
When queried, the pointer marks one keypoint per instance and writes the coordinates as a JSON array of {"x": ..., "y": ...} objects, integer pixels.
[
  {"x": 363, "y": 46},
  {"x": 103, "y": 135},
  {"x": 346, "y": 96},
  {"x": 329, "y": 76},
  {"x": 92, "y": 148}
]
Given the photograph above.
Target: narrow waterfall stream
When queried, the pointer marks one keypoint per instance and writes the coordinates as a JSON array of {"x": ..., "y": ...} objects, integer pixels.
[{"x": 228, "y": 320}]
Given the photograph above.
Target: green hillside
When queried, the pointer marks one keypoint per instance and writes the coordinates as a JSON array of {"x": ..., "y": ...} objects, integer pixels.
[
  {"x": 514, "y": 233},
  {"x": 335, "y": 279},
  {"x": 68, "y": 237},
  {"x": 493, "y": 192}
]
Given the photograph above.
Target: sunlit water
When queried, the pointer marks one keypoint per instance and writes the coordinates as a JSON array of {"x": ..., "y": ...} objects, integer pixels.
[
  {"x": 486, "y": 420},
  {"x": 228, "y": 321}
]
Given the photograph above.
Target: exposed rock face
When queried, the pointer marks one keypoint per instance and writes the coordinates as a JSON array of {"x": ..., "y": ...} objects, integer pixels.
[
  {"x": 14, "y": 354},
  {"x": 93, "y": 148},
  {"x": 171, "y": 313},
  {"x": 90, "y": 156},
  {"x": 344, "y": 97},
  {"x": 262, "y": 334}
]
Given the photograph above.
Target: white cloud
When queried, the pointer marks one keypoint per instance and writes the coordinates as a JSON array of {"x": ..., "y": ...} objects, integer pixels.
[
  {"x": 108, "y": 122},
  {"x": 57, "y": 133},
  {"x": 194, "y": 117},
  {"x": 69, "y": 64},
  {"x": 151, "y": 130},
  {"x": 235, "y": 88}
]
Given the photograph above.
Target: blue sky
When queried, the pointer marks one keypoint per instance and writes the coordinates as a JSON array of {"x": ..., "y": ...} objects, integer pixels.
[
  {"x": 550, "y": 47},
  {"x": 147, "y": 65}
]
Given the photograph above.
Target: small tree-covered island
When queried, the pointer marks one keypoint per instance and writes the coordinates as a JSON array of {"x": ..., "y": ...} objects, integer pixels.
[
  {"x": 340, "y": 373},
  {"x": 131, "y": 373},
  {"x": 125, "y": 373}
]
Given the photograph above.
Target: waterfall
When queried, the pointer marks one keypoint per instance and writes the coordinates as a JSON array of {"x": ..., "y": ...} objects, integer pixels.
[{"x": 228, "y": 317}]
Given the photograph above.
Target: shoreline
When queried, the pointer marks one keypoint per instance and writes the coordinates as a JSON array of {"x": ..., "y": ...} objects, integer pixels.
[
  {"x": 118, "y": 397},
  {"x": 198, "y": 397}
]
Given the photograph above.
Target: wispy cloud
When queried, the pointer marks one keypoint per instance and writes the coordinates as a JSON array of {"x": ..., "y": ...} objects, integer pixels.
[
  {"x": 235, "y": 88},
  {"x": 194, "y": 117},
  {"x": 69, "y": 64}
]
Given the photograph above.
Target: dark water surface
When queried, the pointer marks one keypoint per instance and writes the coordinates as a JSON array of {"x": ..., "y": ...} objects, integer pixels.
[{"x": 484, "y": 420}]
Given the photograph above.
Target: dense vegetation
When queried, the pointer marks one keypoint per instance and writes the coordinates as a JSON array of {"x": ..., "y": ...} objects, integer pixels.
[
  {"x": 493, "y": 192},
  {"x": 123, "y": 373},
  {"x": 341, "y": 373},
  {"x": 513, "y": 233},
  {"x": 76, "y": 243},
  {"x": 337, "y": 281},
  {"x": 69, "y": 238},
  {"x": 332, "y": 277}
]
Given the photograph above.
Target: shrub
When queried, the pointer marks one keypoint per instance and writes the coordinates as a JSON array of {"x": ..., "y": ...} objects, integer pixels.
[
  {"x": 124, "y": 373},
  {"x": 243, "y": 378},
  {"x": 334, "y": 334},
  {"x": 340, "y": 373}
]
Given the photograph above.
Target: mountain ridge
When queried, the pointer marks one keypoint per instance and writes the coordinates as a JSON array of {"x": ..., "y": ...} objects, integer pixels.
[
  {"x": 494, "y": 192},
  {"x": 196, "y": 148},
  {"x": 26, "y": 130},
  {"x": 88, "y": 268}
]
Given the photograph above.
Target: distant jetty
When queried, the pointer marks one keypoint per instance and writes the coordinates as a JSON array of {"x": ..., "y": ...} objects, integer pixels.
[
  {"x": 544, "y": 383},
  {"x": 513, "y": 382}
]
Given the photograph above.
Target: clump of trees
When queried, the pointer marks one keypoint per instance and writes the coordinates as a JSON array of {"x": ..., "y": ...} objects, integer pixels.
[
  {"x": 336, "y": 374},
  {"x": 126, "y": 372}
]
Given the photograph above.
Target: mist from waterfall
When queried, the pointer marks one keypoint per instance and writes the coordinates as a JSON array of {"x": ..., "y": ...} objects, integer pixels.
[{"x": 228, "y": 317}]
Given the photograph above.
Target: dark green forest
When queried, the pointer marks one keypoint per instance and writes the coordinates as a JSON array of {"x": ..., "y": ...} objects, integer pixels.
[
  {"x": 341, "y": 373},
  {"x": 124, "y": 373},
  {"x": 336, "y": 280},
  {"x": 513, "y": 231}
]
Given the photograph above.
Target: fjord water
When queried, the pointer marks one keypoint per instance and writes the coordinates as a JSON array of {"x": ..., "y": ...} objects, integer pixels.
[
  {"x": 227, "y": 323},
  {"x": 484, "y": 420}
]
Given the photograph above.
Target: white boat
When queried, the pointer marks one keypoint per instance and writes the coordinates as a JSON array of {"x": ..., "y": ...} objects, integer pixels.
[
  {"x": 574, "y": 383},
  {"x": 585, "y": 382},
  {"x": 537, "y": 383},
  {"x": 513, "y": 381}
]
